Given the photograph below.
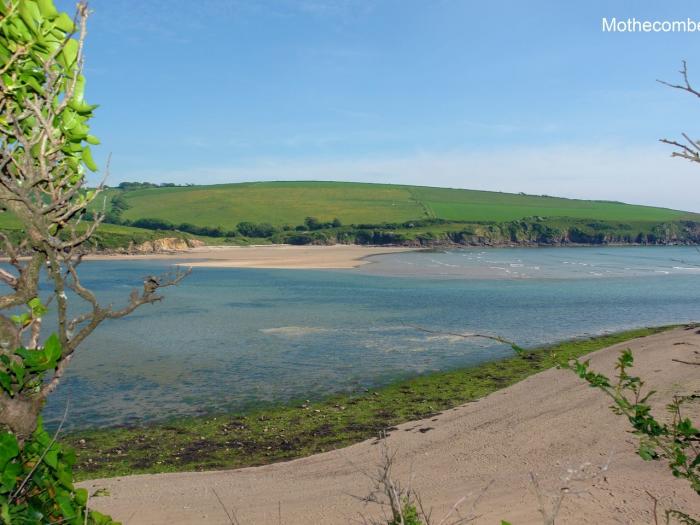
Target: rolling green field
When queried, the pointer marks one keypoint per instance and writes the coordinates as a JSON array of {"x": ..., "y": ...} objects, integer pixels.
[
  {"x": 379, "y": 214},
  {"x": 280, "y": 203}
]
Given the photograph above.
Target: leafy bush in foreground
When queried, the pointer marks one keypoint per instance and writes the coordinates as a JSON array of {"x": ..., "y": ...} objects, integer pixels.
[
  {"x": 44, "y": 154},
  {"x": 36, "y": 483},
  {"x": 677, "y": 442}
]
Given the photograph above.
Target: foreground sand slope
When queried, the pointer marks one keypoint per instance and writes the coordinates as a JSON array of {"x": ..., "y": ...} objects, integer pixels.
[
  {"x": 280, "y": 256},
  {"x": 542, "y": 425}
]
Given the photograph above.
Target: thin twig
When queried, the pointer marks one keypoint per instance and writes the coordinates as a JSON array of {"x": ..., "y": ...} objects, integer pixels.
[
  {"x": 690, "y": 150},
  {"x": 496, "y": 338},
  {"x": 230, "y": 517},
  {"x": 656, "y": 504},
  {"x": 14, "y": 495},
  {"x": 87, "y": 508},
  {"x": 686, "y": 362}
]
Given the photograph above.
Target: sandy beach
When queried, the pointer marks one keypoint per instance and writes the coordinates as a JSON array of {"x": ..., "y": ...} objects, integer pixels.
[
  {"x": 544, "y": 425},
  {"x": 268, "y": 256}
]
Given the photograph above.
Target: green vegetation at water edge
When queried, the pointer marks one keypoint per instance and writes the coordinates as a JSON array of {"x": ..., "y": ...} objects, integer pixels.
[{"x": 299, "y": 429}]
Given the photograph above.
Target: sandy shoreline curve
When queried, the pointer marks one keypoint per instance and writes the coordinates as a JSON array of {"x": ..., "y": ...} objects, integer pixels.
[
  {"x": 542, "y": 425},
  {"x": 276, "y": 256}
]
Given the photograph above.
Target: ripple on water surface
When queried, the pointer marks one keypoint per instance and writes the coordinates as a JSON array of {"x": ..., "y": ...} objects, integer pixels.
[{"x": 227, "y": 339}]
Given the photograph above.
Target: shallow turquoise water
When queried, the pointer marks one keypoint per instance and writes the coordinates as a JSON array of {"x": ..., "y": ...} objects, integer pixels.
[{"x": 231, "y": 338}]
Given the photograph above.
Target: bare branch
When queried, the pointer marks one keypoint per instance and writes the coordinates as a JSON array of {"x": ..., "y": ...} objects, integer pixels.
[
  {"x": 468, "y": 335},
  {"x": 231, "y": 516},
  {"x": 686, "y": 362},
  {"x": 27, "y": 284},
  {"x": 690, "y": 150},
  {"x": 43, "y": 156},
  {"x": 8, "y": 278},
  {"x": 99, "y": 314},
  {"x": 686, "y": 83},
  {"x": 395, "y": 500}
]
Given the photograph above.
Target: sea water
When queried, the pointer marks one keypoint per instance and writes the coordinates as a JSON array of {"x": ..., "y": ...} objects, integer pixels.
[{"x": 231, "y": 339}]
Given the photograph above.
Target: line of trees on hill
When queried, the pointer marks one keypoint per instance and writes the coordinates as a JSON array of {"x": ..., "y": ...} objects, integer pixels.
[
  {"x": 527, "y": 231},
  {"x": 127, "y": 186},
  {"x": 312, "y": 231}
]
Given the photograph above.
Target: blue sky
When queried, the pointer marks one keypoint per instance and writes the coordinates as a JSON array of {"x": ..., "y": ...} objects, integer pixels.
[{"x": 500, "y": 95}]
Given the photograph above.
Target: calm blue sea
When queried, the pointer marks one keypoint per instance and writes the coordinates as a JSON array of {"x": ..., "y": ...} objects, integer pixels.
[{"x": 228, "y": 339}]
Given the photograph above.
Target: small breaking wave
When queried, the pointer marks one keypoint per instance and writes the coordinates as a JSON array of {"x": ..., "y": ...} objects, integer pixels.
[{"x": 294, "y": 331}]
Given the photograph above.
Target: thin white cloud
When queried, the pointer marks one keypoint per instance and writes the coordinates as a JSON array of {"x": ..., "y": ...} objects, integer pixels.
[{"x": 629, "y": 174}]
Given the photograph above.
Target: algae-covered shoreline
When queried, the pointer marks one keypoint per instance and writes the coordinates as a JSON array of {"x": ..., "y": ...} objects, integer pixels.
[{"x": 300, "y": 429}]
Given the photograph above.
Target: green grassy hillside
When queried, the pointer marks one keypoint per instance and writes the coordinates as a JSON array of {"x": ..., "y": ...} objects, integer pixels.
[
  {"x": 276, "y": 212},
  {"x": 280, "y": 203}
]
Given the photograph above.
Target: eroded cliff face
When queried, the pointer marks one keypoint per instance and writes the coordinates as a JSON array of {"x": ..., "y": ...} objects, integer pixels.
[
  {"x": 164, "y": 245},
  {"x": 533, "y": 233}
]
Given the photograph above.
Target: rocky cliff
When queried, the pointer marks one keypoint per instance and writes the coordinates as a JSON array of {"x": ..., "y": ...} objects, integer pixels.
[
  {"x": 163, "y": 245},
  {"x": 541, "y": 233}
]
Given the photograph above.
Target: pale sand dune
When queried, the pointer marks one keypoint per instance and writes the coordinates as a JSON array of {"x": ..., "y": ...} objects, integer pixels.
[
  {"x": 268, "y": 256},
  {"x": 543, "y": 424}
]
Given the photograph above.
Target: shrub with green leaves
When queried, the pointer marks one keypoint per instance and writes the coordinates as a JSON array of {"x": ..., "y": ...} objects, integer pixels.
[
  {"x": 676, "y": 441},
  {"x": 36, "y": 483},
  {"x": 44, "y": 154},
  {"x": 409, "y": 515}
]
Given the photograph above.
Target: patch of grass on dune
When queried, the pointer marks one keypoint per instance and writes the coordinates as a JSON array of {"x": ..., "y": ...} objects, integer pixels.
[{"x": 300, "y": 429}]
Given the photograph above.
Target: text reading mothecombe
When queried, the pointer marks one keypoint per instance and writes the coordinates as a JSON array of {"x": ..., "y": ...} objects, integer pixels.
[{"x": 634, "y": 25}]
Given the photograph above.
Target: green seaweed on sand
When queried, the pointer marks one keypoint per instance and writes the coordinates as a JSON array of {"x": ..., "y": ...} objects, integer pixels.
[{"x": 300, "y": 429}]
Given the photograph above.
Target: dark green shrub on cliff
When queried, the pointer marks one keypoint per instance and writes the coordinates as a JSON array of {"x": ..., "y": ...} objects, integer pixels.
[
  {"x": 252, "y": 229},
  {"x": 312, "y": 223},
  {"x": 579, "y": 236},
  {"x": 300, "y": 239},
  {"x": 153, "y": 224},
  {"x": 379, "y": 237}
]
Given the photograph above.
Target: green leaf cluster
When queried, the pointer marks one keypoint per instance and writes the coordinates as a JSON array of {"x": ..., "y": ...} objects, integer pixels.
[
  {"x": 35, "y": 310},
  {"x": 409, "y": 515},
  {"x": 676, "y": 441},
  {"x": 39, "y": 58},
  {"x": 23, "y": 371},
  {"x": 45, "y": 135},
  {"x": 36, "y": 483}
]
